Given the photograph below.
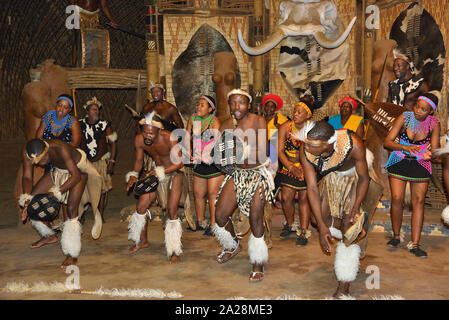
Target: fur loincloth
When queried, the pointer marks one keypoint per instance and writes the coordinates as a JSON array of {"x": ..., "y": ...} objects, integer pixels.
[{"x": 246, "y": 183}]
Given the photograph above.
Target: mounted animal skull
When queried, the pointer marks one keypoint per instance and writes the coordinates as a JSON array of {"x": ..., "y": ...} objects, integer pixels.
[
  {"x": 314, "y": 56},
  {"x": 304, "y": 18}
]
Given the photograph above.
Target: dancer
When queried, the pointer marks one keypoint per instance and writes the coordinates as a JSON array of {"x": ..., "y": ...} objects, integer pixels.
[
  {"x": 290, "y": 177},
  {"x": 156, "y": 142},
  {"x": 338, "y": 158},
  {"x": 207, "y": 177},
  {"x": 246, "y": 188},
  {"x": 419, "y": 133}
]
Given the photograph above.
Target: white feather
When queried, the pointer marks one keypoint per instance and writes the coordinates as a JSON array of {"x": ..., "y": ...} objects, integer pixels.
[
  {"x": 347, "y": 262},
  {"x": 257, "y": 250},
  {"x": 173, "y": 234},
  {"x": 224, "y": 238},
  {"x": 71, "y": 237},
  {"x": 302, "y": 133}
]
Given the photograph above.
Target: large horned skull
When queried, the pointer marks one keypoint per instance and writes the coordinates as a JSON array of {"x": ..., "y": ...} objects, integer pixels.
[{"x": 304, "y": 18}]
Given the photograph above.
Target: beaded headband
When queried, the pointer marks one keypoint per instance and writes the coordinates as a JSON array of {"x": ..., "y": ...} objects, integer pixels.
[
  {"x": 432, "y": 104},
  {"x": 209, "y": 101}
]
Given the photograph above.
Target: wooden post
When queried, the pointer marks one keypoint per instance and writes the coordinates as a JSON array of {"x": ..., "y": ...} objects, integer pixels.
[
  {"x": 258, "y": 60},
  {"x": 152, "y": 52},
  {"x": 367, "y": 55}
]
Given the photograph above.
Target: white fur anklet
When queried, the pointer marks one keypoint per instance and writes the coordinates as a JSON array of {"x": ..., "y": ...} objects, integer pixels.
[
  {"x": 224, "y": 238},
  {"x": 71, "y": 238},
  {"x": 56, "y": 192},
  {"x": 445, "y": 215},
  {"x": 257, "y": 250},
  {"x": 347, "y": 262},
  {"x": 131, "y": 174},
  {"x": 173, "y": 234},
  {"x": 135, "y": 226},
  {"x": 41, "y": 228},
  {"x": 336, "y": 233},
  {"x": 160, "y": 173},
  {"x": 24, "y": 197}
]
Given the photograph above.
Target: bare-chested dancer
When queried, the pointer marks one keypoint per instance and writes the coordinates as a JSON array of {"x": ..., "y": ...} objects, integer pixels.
[
  {"x": 168, "y": 113},
  {"x": 156, "y": 142},
  {"x": 66, "y": 181},
  {"x": 339, "y": 157},
  {"x": 248, "y": 187}
]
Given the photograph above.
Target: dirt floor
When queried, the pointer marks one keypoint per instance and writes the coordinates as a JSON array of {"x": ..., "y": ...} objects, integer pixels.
[{"x": 292, "y": 272}]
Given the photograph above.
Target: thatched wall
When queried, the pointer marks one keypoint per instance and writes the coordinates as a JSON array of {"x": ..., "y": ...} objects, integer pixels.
[{"x": 32, "y": 31}]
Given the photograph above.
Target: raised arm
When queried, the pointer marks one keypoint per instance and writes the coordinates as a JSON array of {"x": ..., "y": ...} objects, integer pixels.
[
  {"x": 75, "y": 174},
  {"x": 107, "y": 12},
  {"x": 176, "y": 118}
]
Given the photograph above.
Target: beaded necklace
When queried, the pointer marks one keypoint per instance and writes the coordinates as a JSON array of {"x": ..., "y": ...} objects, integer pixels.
[
  {"x": 205, "y": 122},
  {"x": 57, "y": 126},
  {"x": 416, "y": 126}
]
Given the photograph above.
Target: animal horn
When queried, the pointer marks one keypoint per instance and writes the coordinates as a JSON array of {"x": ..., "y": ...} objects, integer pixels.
[
  {"x": 271, "y": 42},
  {"x": 326, "y": 43}
]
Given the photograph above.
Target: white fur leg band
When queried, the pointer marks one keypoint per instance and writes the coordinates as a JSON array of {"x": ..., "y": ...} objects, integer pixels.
[
  {"x": 347, "y": 262},
  {"x": 173, "y": 234},
  {"x": 257, "y": 250},
  {"x": 224, "y": 238},
  {"x": 56, "y": 192},
  {"x": 112, "y": 137},
  {"x": 24, "y": 197},
  {"x": 135, "y": 226},
  {"x": 131, "y": 174},
  {"x": 336, "y": 233},
  {"x": 71, "y": 238},
  {"x": 445, "y": 215},
  {"x": 160, "y": 173},
  {"x": 41, "y": 228}
]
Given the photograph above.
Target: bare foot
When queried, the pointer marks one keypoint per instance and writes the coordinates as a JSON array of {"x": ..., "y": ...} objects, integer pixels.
[
  {"x": 68, "y": 261},
  {"x": 174, "y": 259},
  {"x": 138, "y": 247},
  {"x": 45, "y": 240},
  {"x": 342, "y": 289}
]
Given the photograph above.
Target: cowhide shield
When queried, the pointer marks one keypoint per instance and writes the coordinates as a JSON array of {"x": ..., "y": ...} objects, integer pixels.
[
  {"x": 193, "y": 70},
  {"x": 419, "y": 37},
  {"x": 304, "y": 65}
]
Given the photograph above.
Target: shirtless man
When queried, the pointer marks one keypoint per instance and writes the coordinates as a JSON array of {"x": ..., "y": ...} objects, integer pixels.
[
  {"x": 247, "y": 188},
  {"x": 66, "y": 181},
  {"x": 168, "y": 113},
  {"x": 407, "y": 87},
  {"x": 339, "y": 158},
  {"x": 156, "y": 142},
  {"x": 89, "y": 8},
  {"x": 96, "y": 136}
]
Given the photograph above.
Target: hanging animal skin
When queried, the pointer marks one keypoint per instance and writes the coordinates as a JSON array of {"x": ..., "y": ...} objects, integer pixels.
[
  {"x": 314, "y": 55},
  {"x": 419, "y": 37}
]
